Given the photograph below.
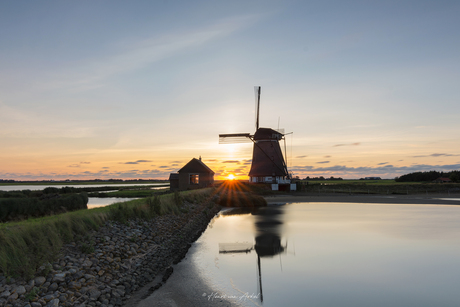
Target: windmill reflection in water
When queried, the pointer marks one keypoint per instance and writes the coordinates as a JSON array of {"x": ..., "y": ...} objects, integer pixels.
[{"x": 268, "y": 223}]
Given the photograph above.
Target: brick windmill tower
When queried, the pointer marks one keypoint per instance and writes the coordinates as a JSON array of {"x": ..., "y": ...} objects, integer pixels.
[{"x": 268, "y": 163}]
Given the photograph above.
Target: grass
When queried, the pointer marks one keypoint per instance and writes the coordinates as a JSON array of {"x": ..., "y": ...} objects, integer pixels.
[
  {"x": 378, "y": 187},
  {"x": 129, "y": 193},
  {"x": 19, "y": 183},
  {"x": 28, "y": 245}
]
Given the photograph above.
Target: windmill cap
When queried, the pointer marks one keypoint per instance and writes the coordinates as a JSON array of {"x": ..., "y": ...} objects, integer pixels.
[{"x": 267, "y": 134}]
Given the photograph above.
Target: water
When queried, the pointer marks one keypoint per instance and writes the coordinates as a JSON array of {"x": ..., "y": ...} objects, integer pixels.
[
  {"x": 21, "y": 187},
  {"x": 332, "y": 254},
  {"x": 95, "y": 202}
]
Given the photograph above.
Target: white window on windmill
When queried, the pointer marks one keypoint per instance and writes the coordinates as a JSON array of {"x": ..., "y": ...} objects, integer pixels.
[{"x": 194, "y": 178}]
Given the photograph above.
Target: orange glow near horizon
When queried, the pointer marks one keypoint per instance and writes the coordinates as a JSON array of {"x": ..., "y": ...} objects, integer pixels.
[{"x": 231, "y": 177}]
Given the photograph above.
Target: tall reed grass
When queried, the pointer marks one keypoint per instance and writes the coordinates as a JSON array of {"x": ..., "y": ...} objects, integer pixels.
[{"x": 26, "y": 246}]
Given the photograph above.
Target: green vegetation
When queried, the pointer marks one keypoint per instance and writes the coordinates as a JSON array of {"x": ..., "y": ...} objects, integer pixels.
[
  {"x": 430, "y": 176},
  {"x": 237, "y": 194},
  {"x": 29, "y": 244},
  {"x": 377, "y": 187},
  {"x": 130, "y": 193},
  {"x": 18, "y": 208}
]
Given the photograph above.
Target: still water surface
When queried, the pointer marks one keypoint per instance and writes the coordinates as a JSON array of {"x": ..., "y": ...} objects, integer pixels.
[
  {"x": 333, "y": 254},
  {"x": 95, "y": 202}
]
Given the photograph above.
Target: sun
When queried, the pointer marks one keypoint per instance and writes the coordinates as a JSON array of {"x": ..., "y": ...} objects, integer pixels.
[{"x": 231, "y": 177}]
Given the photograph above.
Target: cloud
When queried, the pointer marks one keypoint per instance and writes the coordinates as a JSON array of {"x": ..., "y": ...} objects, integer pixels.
[
  {"x": 327, "y": 157},
  {"x": 387, "y": 171},
  {"x": 437, "y": 155},
  {"x": 85, "y": 162},
  {"x": 323, "y": 162},
  {"x": 383, "y": 163},
  {"x": 301, "y": 157},
  {"x": 136, "y": 162},
  {"x": 352, "y": 144},
  {"x": 143, "y": 52},
  {"x": 231, "y": 161}
]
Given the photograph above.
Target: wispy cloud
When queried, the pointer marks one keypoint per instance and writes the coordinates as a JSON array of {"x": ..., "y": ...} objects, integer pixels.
[
  {"x": 322, "y": 162},
  {"x": 78, "y": 164},
  {"x": 352, "y": 144},
  {"x": 136, "y": 162},
  {"x": 301, "y": 157},
  {"x": 147, "y": 51},
  {"x": 437, "y": 155},
  {"x": 231, "y": 161}
]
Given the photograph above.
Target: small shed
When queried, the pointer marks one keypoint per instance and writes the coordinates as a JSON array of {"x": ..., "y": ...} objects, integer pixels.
[
  {"x": 194, "y": 175},
  {"x": 442, "y": 180},
  {"x": 174, "y": 181}
]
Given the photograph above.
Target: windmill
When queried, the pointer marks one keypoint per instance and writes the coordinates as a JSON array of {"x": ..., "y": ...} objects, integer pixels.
[
  {"x": 268, "y": 224},
  {"x": 268, "y": 164}
]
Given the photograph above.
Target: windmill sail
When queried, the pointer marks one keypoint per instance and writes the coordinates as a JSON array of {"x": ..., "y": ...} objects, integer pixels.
[
  {"x": 232, "y": 138},
  {"x": 257, "y": 90}
]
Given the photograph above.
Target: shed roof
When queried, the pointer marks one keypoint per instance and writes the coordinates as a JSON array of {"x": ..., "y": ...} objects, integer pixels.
[
  {"x": 174, "y": 176},
  {"x": 195, "y": 166}
]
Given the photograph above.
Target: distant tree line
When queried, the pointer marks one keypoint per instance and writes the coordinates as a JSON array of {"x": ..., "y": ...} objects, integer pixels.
[
  {"x": 429, "y": 176},
  {"x": 322, "y": 178}
]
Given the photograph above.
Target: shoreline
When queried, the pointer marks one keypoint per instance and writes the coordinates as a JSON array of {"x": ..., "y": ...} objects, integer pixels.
[
  {"x": 430, "y": 199},
  {"x": 126, "y": 257},
  {"x": 132, "y": 262},
  {"x": 185, "y": 285}
]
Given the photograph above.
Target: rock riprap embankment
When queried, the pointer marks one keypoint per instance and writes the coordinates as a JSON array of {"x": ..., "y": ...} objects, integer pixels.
[{"x": 111, "y": 263}]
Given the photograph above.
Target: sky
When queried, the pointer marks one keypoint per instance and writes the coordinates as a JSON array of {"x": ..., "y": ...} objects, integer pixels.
[{"x": 136, "y": 89}]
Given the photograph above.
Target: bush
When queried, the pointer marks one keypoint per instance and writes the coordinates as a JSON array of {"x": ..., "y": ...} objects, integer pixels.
[{"x": 23, "y": 208}]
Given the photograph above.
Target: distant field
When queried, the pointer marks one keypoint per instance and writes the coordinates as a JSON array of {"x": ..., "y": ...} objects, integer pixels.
[
  {"x": 82, "y": 182},
  {"x": 384, "y": 186},
  {"x": 357, "y": 181}
]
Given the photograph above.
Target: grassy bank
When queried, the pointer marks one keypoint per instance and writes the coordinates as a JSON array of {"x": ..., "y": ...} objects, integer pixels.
[
  {"x": 377, "y": 187},
  {"x": 29, "y": 245}
]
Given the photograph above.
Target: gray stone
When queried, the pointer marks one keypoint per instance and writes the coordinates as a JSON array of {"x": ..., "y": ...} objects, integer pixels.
[
  {"x": 59, "y": 277},
  {"x": 53, "y": 287},
  {"x": 5, "y": 293},
  {"x": 94, "y": 294},
  {"x": 53, "y": 303},
  {"x": 72, "y": 271},
  {"x": 40, "y": 280},
  {"x": 13, "y": 297},
  {"x": 35, "y": 304},
  {"x": 20, "y": 290},
  {"x": 87, "y": 264}
]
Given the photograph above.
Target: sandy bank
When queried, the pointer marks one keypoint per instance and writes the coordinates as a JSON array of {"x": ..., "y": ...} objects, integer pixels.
[{"x": 438, "y": 199}]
